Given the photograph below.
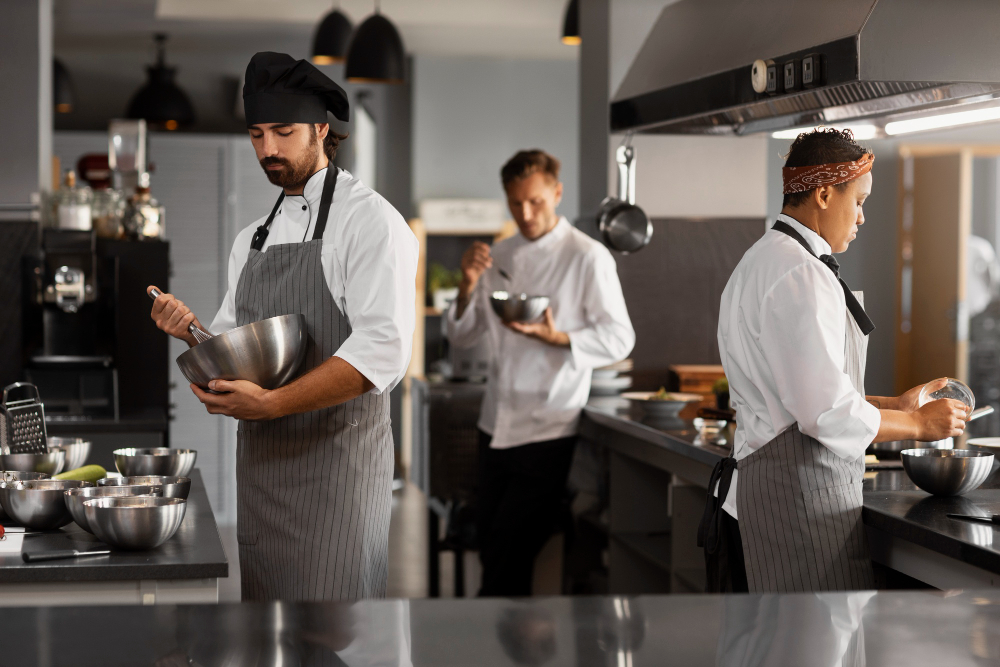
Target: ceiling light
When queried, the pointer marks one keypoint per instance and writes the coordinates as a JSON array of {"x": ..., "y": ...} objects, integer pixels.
[
  {"x": 62, "y": 88},
  {"x": 942, "y": 121},
  {"x": 331, "y": 38},
  {"x": 161, "y": 102},
  {"x": 862, "y": 132},
  {"x": 376, "y": 54},
  {"x": 571, "y": 24}
]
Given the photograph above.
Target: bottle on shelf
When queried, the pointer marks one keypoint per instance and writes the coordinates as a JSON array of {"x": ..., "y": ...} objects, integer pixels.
[
  {"x": 144, "y": 217},
  {"x": 108, "y": 212},
  {"x": 71, "y": 204}
]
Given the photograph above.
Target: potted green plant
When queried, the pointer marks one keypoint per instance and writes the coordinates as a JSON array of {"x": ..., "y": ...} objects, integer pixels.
[{"x": 442, "y": 283}]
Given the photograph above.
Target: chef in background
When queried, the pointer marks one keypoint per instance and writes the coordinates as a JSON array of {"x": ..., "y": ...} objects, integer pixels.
[{"x": 539, "y": 378}]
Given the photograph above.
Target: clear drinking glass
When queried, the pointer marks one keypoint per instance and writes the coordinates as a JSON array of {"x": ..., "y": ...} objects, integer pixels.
[{"x": 955, "y": 389}]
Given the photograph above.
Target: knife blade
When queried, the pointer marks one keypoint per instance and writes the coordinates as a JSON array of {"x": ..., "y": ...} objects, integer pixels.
[
  {"x": 62, "y": 553},
  {"x": 995, "y": 518}
]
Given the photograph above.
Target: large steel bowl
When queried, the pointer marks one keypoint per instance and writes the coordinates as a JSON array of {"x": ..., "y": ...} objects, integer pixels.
[
  {"x": 38, "y": 503},
  {"x": 518, "y": 307},
  {"x": 18, "y": 476},
  {"x": 267, "y": 353},
  {"x": 135, "y": 522},
  {"x": 77, "y": 450},
  {"x": 171, "y": 487},
  {"x": 947, "y": 472},
  {"x": 74, "y": 498},
  {"x": 52, "y": 463},
  {"x": 163, "y": 461}
]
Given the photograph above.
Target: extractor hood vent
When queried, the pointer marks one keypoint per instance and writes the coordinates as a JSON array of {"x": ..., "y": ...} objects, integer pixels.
[{"x": 818, "y": 62}]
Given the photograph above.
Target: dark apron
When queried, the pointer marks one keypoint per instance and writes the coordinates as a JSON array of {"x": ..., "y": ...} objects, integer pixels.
[{"x": 313, "y": 490}]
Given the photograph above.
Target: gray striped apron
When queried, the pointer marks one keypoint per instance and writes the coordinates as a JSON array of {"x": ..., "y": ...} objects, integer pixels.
[
  {"x": 313, "y": 490},
  {"x": 799, "y": 506}
]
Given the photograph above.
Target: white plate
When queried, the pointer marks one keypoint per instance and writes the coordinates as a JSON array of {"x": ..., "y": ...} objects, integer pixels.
[
  {"x": 604, "y": 373},
  {"x": 610, "y": 387},
  {"x": 983, "y": 442}
]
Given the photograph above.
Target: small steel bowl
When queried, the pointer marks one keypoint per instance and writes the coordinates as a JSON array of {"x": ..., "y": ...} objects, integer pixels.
[
  {"x": 38, "y": 504},
  {"x": 134, "y": 523},
  {"x": 162, "y": 461},
  {"x": 74, "y": 498},
  {"x": 172, "y": 487},
  {"x": 518, "y": 307},
  {"x": 52, "y": 463},
  {"x": 18, "y": 476},
  {"x": 947, "y": 472},
  {"x": 77, "y": 450}
]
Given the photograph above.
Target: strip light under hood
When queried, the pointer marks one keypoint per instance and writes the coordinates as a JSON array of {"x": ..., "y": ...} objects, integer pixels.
[
  {"x": 942, "y": 121},
  {"x": 862, "y": 132}
]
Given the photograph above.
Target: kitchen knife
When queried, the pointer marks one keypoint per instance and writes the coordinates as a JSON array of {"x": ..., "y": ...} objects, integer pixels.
[
  {"x": 985, "y": 519},
  {"x": 61, "y": 553}
]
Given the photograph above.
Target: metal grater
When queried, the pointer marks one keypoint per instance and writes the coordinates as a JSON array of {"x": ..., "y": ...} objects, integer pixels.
[{"x": 22, "y": 422}]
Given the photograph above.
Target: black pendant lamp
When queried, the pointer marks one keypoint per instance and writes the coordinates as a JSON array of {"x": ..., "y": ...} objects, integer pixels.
[
  {"x": 331, "y": 38},
  {"x": 62, "y": 88},
  {"x": 376, "y": 53},
  {"x": 161, "y": 102},
  {"x": 571, "y": 24}
]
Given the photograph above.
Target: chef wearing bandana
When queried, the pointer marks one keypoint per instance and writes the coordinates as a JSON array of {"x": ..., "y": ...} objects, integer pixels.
[
  {"x": 315, "y": 457},
  {"x": 793, "y": 341}
]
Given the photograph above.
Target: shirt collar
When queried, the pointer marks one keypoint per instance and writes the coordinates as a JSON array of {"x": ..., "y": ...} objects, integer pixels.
[
  {"x": 313, "y": 191},
  {"x": 816, "y": 242},
  {"x": 556, "y": 233}
]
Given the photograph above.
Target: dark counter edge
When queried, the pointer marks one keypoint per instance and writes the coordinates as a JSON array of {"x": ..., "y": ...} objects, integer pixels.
[{"x": 106, "y": 569}]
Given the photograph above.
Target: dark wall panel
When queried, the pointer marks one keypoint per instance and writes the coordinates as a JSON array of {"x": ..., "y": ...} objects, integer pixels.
[
  {"x": 673, "y": 287},
  {"x": 17, "y": 239}
]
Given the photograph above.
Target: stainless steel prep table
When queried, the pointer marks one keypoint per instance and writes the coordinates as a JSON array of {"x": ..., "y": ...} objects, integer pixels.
[{"x": 183, "y": 570}]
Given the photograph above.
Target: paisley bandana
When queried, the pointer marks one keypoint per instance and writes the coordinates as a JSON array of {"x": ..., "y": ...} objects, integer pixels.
[{"x": 803, "y": 179}]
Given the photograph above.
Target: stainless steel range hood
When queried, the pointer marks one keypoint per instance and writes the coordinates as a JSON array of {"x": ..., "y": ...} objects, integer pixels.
[{"x": 845, "y": 61}]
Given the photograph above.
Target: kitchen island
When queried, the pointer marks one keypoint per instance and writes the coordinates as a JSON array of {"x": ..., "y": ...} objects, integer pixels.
[
  {"x": 658, "y": 486},
  {"x": 183, "y": 570}
]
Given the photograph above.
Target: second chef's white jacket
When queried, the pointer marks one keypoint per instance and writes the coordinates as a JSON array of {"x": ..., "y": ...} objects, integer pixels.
[
  {"x": 534, "y": 390},
  {"x": 782, "y": 333},
  {"x": 369, "y": 258}
]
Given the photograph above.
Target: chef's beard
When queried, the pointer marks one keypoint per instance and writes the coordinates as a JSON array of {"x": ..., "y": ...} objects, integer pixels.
[{"x": 294, "y": 175}]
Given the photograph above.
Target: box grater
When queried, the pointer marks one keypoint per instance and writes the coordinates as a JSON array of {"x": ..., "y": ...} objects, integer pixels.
[{"x": 22, "y": 421}]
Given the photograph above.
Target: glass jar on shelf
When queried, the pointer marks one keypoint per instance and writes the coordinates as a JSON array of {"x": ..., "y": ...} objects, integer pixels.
[
  {"x": 107, "y": 214},
  {"x": 71, "y": 204}
]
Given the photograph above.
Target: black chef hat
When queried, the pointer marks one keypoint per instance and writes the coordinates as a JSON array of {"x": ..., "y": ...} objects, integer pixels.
[{"x": 280, "y": 89}]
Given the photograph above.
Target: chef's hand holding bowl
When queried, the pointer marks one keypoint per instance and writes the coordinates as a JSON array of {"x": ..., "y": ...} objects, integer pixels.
[
  {"x": 173, "y": 317},
  {"x": 940, "y": 419},
  {"x": 240, "y": 399},
  {"x": 544, "y": 331}
]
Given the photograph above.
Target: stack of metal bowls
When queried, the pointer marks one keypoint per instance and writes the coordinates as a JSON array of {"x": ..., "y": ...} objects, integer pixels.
[
  {"x": 134, "y": 523},
  {"x": 162, "y": 461},
  {"x": 77, "y": 450},
  {"x": 74, "y": 498},
  {"x": 52, "y": 463},
  {"x": 947, "y": 472},
  {"x": 170, "y": 487},
  {"x": 38, "y": 504}
]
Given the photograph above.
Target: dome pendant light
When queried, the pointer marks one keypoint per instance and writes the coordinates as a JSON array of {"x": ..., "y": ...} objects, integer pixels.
[
  {"x": 571, "y": 24},
  {"x": 376, "y": 53},
  {"x": 331, "y": 38},
  {"x": 161, "y": 102},
  {"x": 62, "y": 88}
]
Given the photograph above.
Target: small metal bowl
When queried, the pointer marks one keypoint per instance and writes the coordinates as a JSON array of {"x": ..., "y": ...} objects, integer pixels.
[
  {"x": 135, "y": 523},
  {"x": 172, "y": 487},
  {"x": 518, "y": 307},
  {"x": 74, "y": 498},
  {"x": 77, "y": 450},
  {"x": 947, "y": 472},
  {"x": 18, "y": 476},
  {"x": 52, "y": 463},
  {"x": 162, "y": 461},
  {"x": 38, "y": 504}
]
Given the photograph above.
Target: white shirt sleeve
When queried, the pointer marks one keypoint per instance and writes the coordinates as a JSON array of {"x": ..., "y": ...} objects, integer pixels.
[
  {"x": 802, "y": 341},
  {"x": 608, "y": 335},
  {"x": 379, "y": 264},
  {"x": 466, "y": 331},
  {"x": 225, "y": 319}
]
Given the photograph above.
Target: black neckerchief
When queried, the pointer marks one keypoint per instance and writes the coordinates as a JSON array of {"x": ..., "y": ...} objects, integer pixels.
[
  {"x": 857, "y": 311},
  {"x": 329, "y": 185}
]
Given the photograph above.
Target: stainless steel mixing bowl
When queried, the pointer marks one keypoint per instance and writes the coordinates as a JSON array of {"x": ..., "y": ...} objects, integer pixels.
[
  {"x": 171, "y": 487},
  {"x": 74, "y": 498},
  {"x": 947, "y": 472},
  {"x": 52, "y": 463},
  {"x": 518, "y": 307},
  {"x": 38, "y": 503},
  {"x": 18, "y": 476},
  {"x": 267, "y": 353},
  {"x": 77, "y": 450},
  {"x": 156, "y": 461},
  {"x": 135, "y": 522}
]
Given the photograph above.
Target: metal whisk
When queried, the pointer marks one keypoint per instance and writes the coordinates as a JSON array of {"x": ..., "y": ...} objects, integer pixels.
[{"x": 199, "y": 335}]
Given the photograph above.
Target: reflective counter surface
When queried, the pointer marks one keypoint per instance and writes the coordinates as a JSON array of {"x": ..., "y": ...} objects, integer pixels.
[{"x": 865, "y": 628}]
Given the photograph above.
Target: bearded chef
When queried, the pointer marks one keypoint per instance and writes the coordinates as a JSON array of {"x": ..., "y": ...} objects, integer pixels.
[
  {"x": 315, "y": 457},
  {"x": 539, "y": 378},
  {"x": 793, "y": 341}
]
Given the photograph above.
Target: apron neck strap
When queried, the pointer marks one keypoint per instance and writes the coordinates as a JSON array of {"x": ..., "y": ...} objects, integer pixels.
[
  {"x": 260, "y": 235},
  {"x": 329, "y": 185}
]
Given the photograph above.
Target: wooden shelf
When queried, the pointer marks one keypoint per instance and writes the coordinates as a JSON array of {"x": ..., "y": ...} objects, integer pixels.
[{"x": 653, "y": 548}]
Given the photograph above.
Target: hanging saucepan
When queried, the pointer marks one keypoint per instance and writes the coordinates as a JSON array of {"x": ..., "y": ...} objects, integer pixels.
[{"x": 624, "y": 226}]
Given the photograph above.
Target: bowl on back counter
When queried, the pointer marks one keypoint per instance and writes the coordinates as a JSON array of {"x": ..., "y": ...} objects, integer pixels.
[
  {"x": 163, "y": 461},
  {"x": 660, "y": 405},
  {"x": 77, "y": 450}
]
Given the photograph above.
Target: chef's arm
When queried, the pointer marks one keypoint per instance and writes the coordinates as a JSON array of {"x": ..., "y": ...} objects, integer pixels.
[
  {"x": 331, "y": 383},
  {"x": 608, "y": 336},
  {"x": 934, "y": 421},
  {"x": 884, "y": 402}
]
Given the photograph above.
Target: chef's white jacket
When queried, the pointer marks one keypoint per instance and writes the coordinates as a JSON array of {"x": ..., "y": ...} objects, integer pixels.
[
  {"x": 369, "y": 259},
  {"x": 534, "y": 390},
  {"x": 782, "y": 334}
]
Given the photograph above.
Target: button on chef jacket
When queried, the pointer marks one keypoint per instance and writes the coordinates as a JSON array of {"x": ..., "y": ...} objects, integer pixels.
[
  {"x": 534, "y": 390},
  {"x": 782, "y": 333},
  {"x": 369, "y": 259}
]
